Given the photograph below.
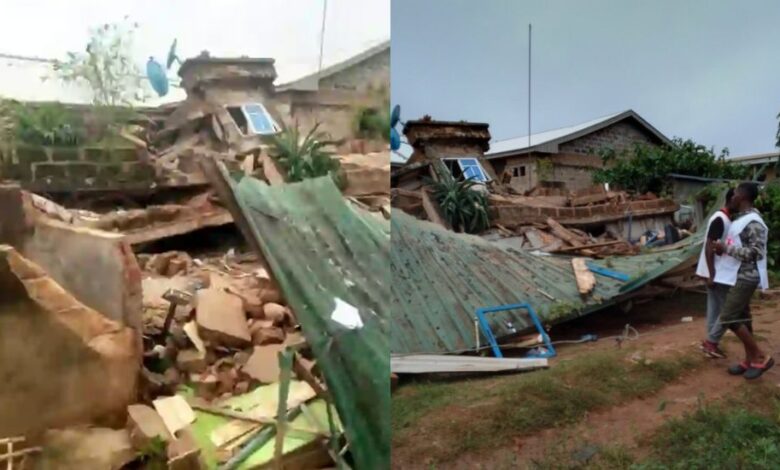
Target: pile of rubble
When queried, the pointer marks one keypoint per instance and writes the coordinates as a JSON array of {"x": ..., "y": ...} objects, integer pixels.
[
  {"x": 552, "y": 237},
  {"x": 226, "y": 321}
]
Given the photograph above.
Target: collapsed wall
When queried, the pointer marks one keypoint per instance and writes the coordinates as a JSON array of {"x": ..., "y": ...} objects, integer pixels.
[
  {"x": 96, "y": 267},
  {"x": 63, "y": 363}
]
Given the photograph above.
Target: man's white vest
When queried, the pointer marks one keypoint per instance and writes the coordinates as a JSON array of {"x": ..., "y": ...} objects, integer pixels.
[
  {"x": 727, "y": 267},
  {"x": 702, "y": 269}
]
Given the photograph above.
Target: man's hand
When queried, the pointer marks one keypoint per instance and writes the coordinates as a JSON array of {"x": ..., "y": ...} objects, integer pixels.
[
  {"x": 718, "y": 247},
  {"x": 711, "y": 280}
]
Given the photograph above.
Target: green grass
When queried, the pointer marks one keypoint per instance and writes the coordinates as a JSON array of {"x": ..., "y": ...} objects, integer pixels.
[
  {"x": 741, "y": 432},
  {"x": 724, "y": 435},
  {"x": 478, "y": 415}
]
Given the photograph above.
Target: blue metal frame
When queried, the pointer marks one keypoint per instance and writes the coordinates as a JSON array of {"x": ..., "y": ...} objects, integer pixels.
[
  {"x": 501, "y": 308},
  {"x": 608, "y": 272}
]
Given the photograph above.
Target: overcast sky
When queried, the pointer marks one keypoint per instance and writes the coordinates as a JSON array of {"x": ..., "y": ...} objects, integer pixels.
[
  {"x": 694, "y": 69},
  {"x": 286, "y": 30}
]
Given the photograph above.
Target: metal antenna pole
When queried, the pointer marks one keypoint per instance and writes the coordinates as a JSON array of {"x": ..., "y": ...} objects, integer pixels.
[
  {"x": 322, "y": 33},
  {"x": 529, "y": 85}
]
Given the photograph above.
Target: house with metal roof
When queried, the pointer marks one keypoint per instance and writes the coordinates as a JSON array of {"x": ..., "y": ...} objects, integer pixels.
[
  {"x": 565, "y": 158},
  {"x": 334, "y": 95},
  {"x": 765, "y": 163}
]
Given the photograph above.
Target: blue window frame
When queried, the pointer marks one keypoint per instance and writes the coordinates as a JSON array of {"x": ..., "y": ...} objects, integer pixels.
[
  {"x": 473, "y": 170},
  {"x": 258, "y": 119}
]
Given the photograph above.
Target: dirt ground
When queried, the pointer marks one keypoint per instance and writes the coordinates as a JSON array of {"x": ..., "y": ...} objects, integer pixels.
[{"x": 628, "y": 424}]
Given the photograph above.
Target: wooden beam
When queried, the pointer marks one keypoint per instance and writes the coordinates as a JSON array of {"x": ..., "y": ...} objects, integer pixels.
[
  {"x": 562, "y": 232},
  {"x": 585, "y": 247},
  {"x": 271, "y": 171},
  {"x": 430, "y": 209},
  {"x": 586, "y": 280},
  {"x": 425, "y": 363}
]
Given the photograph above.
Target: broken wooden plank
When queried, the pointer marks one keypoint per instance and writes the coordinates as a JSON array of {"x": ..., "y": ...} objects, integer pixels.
[
  {"x": 424, "y": 363},
  {"x": 587, "y": 247},
  {"x": 562, "y": 232},
  {"x": 534, "y": 238},
  {"x": 586, "y": 280},
  {"x": 430, "y": 209},
  {"x": 271, "y": 171}
]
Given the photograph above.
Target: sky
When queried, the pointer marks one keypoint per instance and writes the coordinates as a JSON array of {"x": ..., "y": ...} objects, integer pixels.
[
  {"x": 287, "y": 30},
  {"x": 704, "y": 70}
]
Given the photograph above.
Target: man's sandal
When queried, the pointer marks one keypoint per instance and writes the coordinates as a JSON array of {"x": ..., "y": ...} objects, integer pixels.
[
  {"x": 739, "y": 369},
  {"x": 757, "y": 370}
]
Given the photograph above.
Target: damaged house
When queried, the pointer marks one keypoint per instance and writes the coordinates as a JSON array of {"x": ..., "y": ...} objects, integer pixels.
[
  {"x": 459, "y": 145},
  {"x": 565, "y": 158},
  {"x": 335, "y": 95}
]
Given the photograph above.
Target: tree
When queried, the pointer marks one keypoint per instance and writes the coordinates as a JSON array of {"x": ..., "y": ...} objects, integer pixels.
[
  {"x": 108, "y": 69},
  {"x": 107, "y": 66},
  {"x": 646, "y": 168},
  {"x": 777, "y": 136}
]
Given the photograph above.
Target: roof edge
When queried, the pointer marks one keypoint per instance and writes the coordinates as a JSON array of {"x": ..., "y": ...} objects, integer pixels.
[{"x": 630, "y": 113}]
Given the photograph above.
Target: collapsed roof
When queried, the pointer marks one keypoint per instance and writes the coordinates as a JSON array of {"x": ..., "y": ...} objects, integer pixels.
[{"x": 440, "y": 278}]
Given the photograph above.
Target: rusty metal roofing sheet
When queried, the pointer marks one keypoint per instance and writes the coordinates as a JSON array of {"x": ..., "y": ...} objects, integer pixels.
[
  {"x": 321, "y": 250},
  {"x": 440, "y": 278}
]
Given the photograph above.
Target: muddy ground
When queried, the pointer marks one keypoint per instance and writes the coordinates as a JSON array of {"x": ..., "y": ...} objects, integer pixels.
[{"x": 444, "y": 436}]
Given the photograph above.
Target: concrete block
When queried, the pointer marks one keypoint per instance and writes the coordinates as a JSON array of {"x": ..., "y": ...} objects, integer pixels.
[{"x": 221, "y": 318}]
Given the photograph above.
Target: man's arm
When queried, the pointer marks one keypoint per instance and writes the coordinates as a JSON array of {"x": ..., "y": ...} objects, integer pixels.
[
  {"x": 709, "y": 255},
  {"x": 753, "y": 244},
  {"x": 715, "y": 232}
]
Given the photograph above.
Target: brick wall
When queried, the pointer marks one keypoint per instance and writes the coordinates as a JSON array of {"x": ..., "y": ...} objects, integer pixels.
[
  {"x": 620, "y": 136},
  {"x": 514, "y": 215},
  {"x": 573, "y": 178},
  {"x": 55, "y": 168}
]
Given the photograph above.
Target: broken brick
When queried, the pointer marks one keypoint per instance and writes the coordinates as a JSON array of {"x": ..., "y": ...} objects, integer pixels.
[
  {"x": 226, "y": 380},
  {"x": 270, "y": 294},
  {"x": 275, "y": 312},
  {"x": 190, "y": 360},
  {"x": 205, "y": 385},
  {"x": 263, "y": 365},
  {"x": 253, "y": 305},
  {"x": 221, "y": 319},
  {"x": 144, "y": 424},
  {"x": 184, "y": 452},
  {"x": 262, "y": 336}
]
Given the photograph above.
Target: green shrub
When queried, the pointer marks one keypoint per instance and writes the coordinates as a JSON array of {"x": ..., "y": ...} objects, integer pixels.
[
  {"x": 646, "y": 168},
  {"x": 769, "y": 205},
  {"x": 305, "y": 158},
  {"x": 465, "y": 209},
  {"x": 372, "y": 123},
  {"x": 44, "y": 124}
]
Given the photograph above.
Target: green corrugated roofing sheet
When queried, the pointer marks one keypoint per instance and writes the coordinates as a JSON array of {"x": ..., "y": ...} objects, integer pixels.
[
  {"x": 440, "y": 278},
  {"x": 321, "y": 249}
]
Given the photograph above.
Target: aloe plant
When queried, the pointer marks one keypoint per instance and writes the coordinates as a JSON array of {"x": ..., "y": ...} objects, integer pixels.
[
  {"x": 465, "y": 209},
  {"x": 307, "y": 157}
]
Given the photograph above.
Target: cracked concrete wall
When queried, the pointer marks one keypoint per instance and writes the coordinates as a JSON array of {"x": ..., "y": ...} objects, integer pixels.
[
  {"x": 97, "y": 267},
  {"x": 63, "y": 363}
]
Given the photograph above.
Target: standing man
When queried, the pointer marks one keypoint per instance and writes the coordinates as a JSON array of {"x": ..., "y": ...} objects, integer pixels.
[
  {"x": 743, "y": 265},
  {"x": 717, "y": 227}
]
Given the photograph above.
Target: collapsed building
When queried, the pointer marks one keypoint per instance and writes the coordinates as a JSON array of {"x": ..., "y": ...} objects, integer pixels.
[
  {"x": 184, "y": 331},
  {"x": 557, "y": 244}
]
